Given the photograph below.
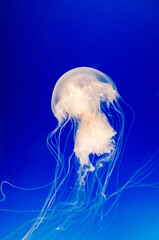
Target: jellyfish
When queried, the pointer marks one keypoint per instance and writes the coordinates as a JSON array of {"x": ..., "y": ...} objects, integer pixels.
[
  {"x": 87, "y": 99},
  {"x": 77, "y": 96},
  {"x": 87, "y": 145}
]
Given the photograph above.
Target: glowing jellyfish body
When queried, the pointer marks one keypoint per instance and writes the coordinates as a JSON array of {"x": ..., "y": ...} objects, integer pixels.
[
  {"x": 86, "y": 145},
  {"x": 89, "y": 100},
  {"x": 78, "y": 95}
]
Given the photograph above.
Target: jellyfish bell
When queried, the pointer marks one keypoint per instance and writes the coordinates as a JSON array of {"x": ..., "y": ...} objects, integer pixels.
[
  {"x": 78, "y": 95},
  {"x": 79, "y": 91}
]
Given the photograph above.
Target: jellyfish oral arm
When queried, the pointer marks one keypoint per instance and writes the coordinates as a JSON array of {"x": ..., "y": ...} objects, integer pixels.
[{"x": 94, "y": 136}]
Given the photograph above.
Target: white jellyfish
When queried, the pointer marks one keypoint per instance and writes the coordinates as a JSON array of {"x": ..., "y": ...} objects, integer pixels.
[
  {"x": 88, "y": 99},
  {"x": 87, "y": 148},
  {"x": 78, "y": 95}
]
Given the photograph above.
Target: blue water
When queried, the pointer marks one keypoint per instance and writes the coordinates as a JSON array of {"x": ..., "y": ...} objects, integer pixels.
[{"x": 40, "y": 41}]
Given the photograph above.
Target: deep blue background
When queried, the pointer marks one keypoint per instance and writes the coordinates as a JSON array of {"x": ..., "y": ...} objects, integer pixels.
[{"x": 41, "y": 40}]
